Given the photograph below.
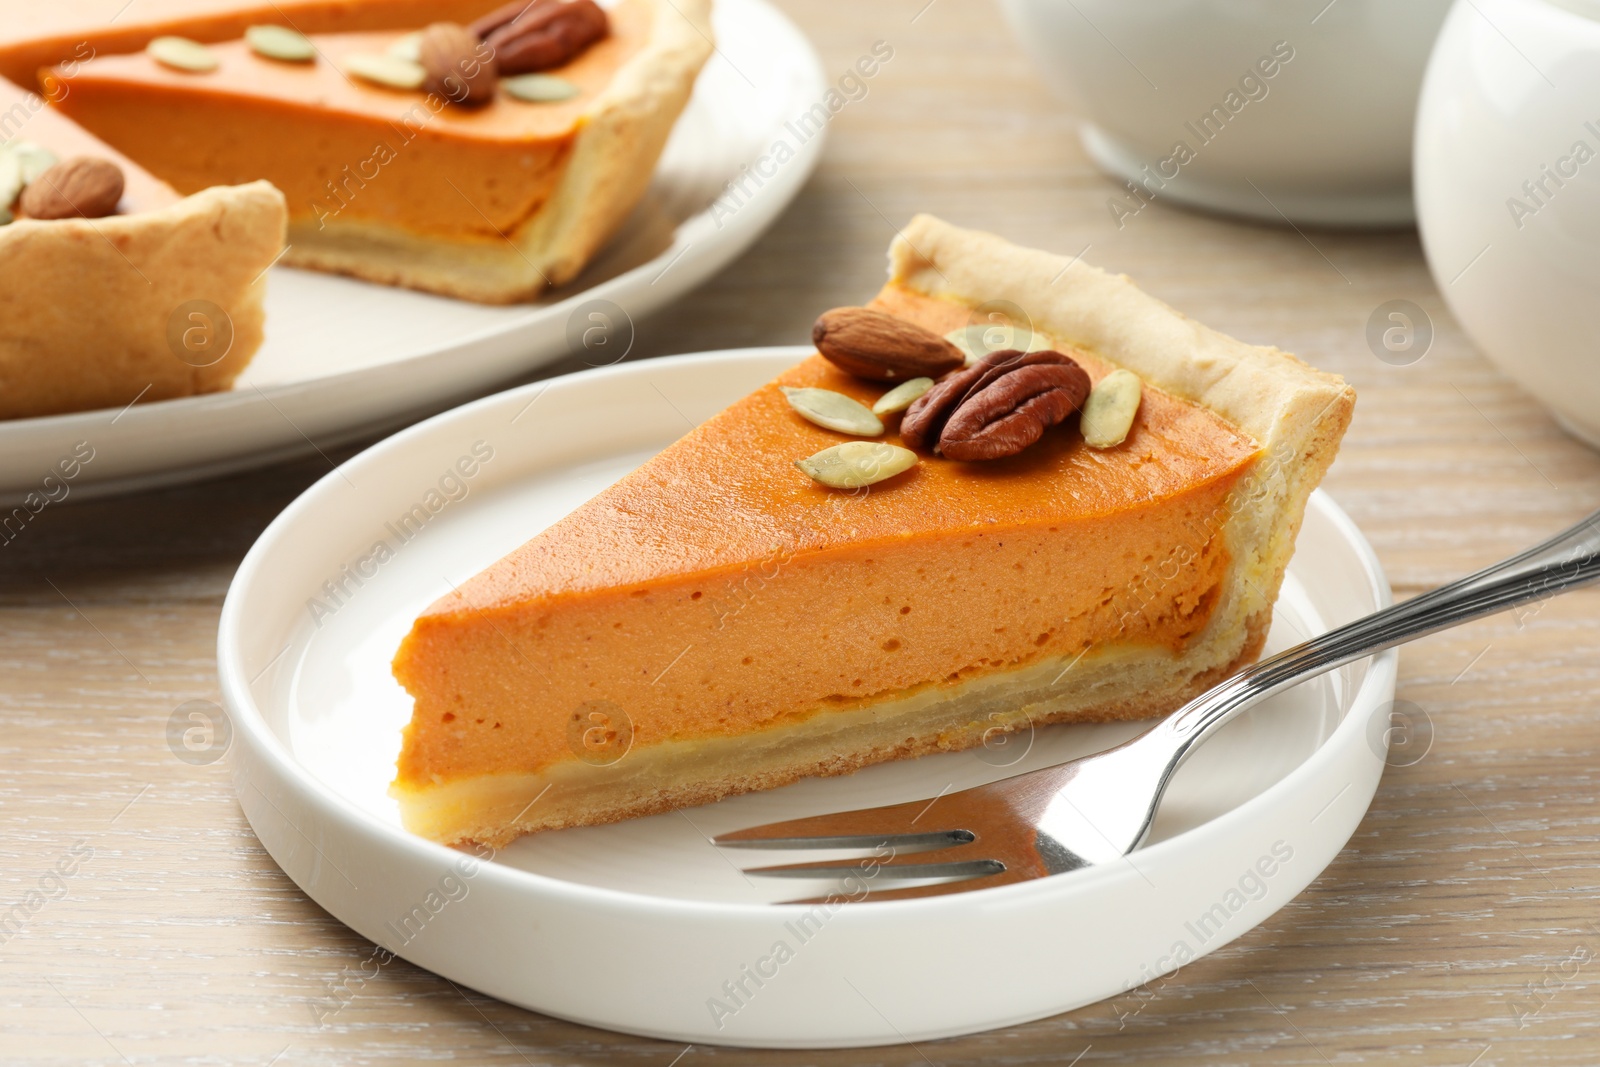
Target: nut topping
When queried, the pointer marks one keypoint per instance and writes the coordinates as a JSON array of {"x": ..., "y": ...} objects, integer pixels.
[
  {"x": 180, "y": 53},
  {"x": 280, "y": 43},
  {"x": 997, "y": 407},
  {"x": 880, "y": 347},
  {"x": 408, "y": 48},
  {"x": 32, "y": 159},
  {"x": 539, "y": 88},
  {"x": 502, "y": 16},
  {"x": 20, "y": 163},
  {"x": 458, "y": 66},
  {"x": 84, "y": 187},
  {"x": 900, "y": 397},
  {"x": 528, "y": 37},
  {"x": 855, "y": 464},
  {"x": 389, "y": 71},
  {"x": 834, "y": 411},
  {"x": 1108, "y": 414}
]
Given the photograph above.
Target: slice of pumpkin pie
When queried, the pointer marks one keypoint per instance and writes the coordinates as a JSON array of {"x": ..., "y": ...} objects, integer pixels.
[
  {"x": 1091, "y": 524},
  {"x": 486, "y": 161}
]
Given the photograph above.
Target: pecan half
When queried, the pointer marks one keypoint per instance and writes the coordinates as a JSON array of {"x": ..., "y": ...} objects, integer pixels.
[
  {"x": 871, "y": 344},
  {"x": 84, "y": 187},
  {"x": 503, "y": 14},
  {"x": 528, "y": 37},
  {"x": 997, "y": 407},
  {"x": 457, "y": 65}
]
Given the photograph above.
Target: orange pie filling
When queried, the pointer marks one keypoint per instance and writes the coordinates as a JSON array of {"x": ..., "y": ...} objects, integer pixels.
[
  {"x": 26, "y": 116},
  {"x": 45, "y": 32},
  {"x": 346, "y": 152},
  {"x": 716, "y": 596}
]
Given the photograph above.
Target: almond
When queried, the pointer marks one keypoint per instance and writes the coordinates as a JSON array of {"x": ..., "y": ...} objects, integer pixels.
[
  {"x": 880, "y": 347},
  {"x": 84, "y": 187},
  {"x": 458, "y": 66}
]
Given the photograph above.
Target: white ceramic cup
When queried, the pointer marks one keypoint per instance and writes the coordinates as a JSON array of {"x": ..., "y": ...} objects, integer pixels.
[
  {"x": 1508, "y": 192},
  {"x": 1300, "y": 110}
]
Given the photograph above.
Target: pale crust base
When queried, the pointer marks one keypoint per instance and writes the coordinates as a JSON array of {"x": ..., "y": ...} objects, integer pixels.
[
  {"x": 1113, "y": 685},
  {"x": 86, "y": 306},
  {"x": 613, "y": 158},
  {"x": 1296, "y": 413}
]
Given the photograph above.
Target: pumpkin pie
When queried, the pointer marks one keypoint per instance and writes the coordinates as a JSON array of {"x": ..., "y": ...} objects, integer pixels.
[
  {"x": 396, "y": 185},
  {"x": 159, "y": 298},
  {"x": 717, "y": 622}
]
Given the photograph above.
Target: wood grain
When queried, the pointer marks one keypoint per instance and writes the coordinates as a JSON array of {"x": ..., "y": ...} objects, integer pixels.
[{"x": 1442, "y": 935}]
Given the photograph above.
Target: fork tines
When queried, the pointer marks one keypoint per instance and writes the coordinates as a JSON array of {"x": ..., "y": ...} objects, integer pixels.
[{"x": 904, "y": 842}]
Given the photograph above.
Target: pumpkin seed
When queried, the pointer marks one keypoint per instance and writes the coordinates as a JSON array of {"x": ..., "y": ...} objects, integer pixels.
[
  {"x": 10, "y": 178},
  {"x": 900, "y": 397},
  {"x": 834, "y": 411},
  {"x": 408, "y": 47},
  {"x": 1109, "y": 411},
  {"x": 539, "y": 88},
  {"x": 180, "y": 53},
  {"x": 280, "y": 42},
  {"x": 34, "y": 159},
  {"x": 391, "y": 72},
  {"x": 857, "y": 463},
  {"x": 20, "y": 163}
]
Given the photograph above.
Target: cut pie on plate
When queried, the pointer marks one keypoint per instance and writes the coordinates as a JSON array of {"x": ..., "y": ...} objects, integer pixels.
[
  {"x": 717, "y": 622},
  {"x": 159, "y": 298},
  {"x": 396, "y": 185}
]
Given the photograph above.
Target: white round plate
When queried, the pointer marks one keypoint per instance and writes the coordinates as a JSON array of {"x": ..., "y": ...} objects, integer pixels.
[
  {"x": 344, "y": 357},
  {"x": 644, "y": 926}
]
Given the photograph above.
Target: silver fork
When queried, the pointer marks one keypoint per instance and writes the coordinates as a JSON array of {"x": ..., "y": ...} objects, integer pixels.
[{"x": 1099, "y": 807}]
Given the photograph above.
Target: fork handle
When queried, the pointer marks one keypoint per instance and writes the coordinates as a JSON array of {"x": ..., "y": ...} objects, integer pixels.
[{"x": 1565, "y": 562}]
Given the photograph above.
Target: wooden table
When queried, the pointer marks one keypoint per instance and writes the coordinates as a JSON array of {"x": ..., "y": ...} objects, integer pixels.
[{"x": 1457, "y": 928}]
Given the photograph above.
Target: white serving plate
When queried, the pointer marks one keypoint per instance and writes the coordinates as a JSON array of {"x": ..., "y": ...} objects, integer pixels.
[
  {"x": 636, "y": 926},
  {"x": 344, "y": 357}
]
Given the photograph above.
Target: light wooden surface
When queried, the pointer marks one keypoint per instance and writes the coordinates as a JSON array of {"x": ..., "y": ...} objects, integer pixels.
[{"x": 1445, "y": 933}]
